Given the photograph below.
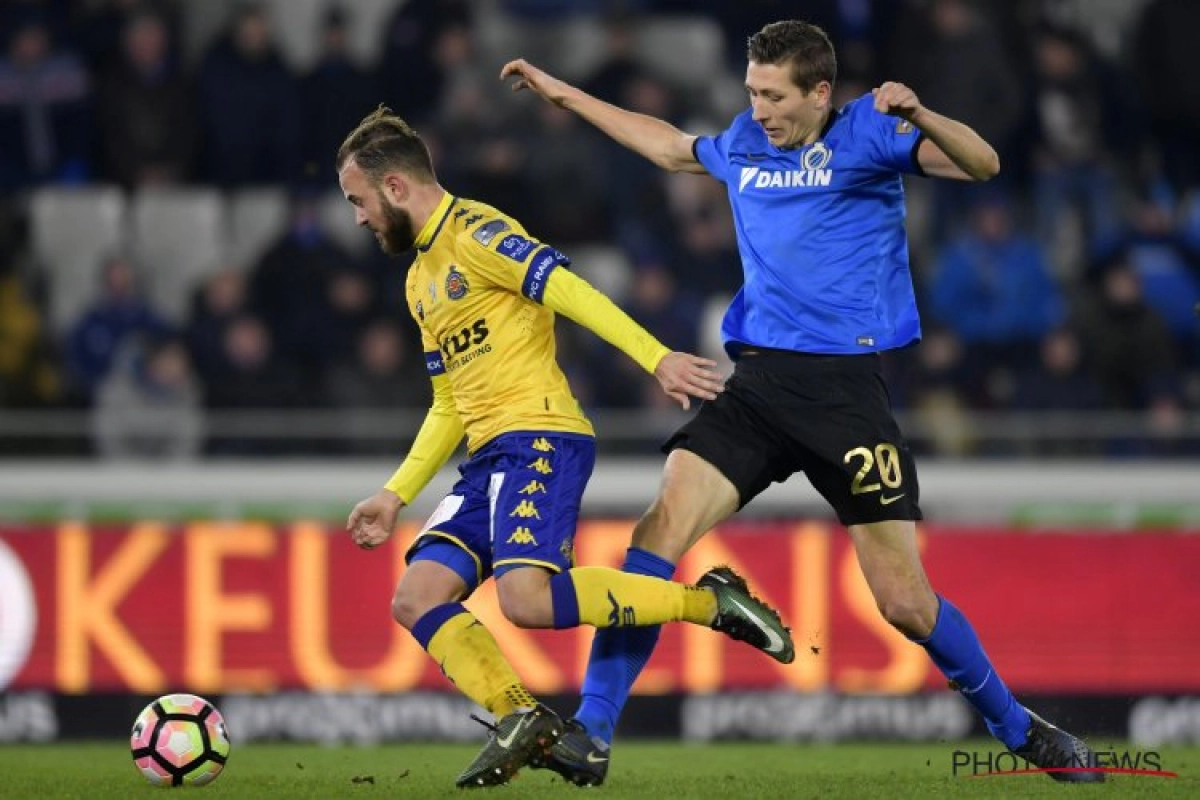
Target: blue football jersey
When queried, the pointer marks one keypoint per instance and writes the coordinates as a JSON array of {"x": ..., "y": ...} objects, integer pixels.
[{"x": 820, "y": 230}]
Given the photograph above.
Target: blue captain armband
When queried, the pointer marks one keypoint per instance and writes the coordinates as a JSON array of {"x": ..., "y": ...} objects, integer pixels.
[
  {"x": 434, "y": 363},
  {"x": 542, "y": 263}
]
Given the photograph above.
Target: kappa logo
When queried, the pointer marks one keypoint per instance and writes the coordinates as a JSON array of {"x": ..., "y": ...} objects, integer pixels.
[
  {"x": 525, "y": 509},
  {"x": 522, "y": 535}
]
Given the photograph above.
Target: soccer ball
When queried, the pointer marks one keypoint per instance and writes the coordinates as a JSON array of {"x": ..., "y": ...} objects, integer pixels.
[{"x": 179, "y": 740}]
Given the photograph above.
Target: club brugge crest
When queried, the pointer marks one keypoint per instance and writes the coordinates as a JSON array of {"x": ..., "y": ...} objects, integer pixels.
[
  {"x": 456, "y": 284},
  {"x": 817, "y": 156}
]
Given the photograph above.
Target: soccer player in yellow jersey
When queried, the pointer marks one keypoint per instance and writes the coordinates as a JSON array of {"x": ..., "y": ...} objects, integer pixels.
[{"x": 484, "y": 294}]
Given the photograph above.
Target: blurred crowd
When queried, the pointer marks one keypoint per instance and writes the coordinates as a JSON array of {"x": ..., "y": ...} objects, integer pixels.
[{"x": 1068, "y": 284}]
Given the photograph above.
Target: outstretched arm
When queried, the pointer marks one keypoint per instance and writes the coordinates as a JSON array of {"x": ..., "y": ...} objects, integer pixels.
[
  {"x": 951, "y": 149},
  {"x": 681, "y": 375},
  {"x": 659, "y": 141}
]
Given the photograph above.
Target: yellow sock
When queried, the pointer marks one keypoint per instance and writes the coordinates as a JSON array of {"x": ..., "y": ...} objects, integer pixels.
[
  {"x": 471, "y": 659},
  {"x": 609, "y": 598}
]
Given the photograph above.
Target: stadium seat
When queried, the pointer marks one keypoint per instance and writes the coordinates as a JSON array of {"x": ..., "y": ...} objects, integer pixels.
[
  {"x": 71, "y": 231},
  {"x": 257, "y": 216},
  {"x": 337, "y": 217},
  {"x": 202, "y": 22},
  {"x": 581, "y": 48},
  {"x": 603, "y": 266},
  {"x": 297, "y": 24},
  {"x": 688, "y": 51},
  {"x": 178, "y": 238}
]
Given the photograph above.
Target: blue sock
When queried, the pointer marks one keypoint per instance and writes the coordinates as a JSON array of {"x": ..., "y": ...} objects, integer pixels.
[
  {"x": 956, "y": 651},
  {"x": 618, "y": 656}
]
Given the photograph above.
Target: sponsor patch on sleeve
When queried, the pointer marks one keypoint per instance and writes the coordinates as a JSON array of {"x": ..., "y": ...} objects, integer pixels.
[
  {"x": 903, "y": 126},
  {"x": 488, "y": 230},
  {"x": 434, "y": 363},
  {"x": 515, "y": 246}
]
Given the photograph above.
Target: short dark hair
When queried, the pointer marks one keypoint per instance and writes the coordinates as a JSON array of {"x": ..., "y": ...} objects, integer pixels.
[
  {"x": 805, "y": 45},
  {"x": 384, "y": 143}
]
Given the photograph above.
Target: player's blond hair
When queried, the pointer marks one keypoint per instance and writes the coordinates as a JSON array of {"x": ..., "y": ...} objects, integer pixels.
[{"x": 383, "y": 143}]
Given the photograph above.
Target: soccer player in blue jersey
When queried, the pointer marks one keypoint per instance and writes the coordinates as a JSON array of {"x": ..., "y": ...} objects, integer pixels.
[{"x": 818, "y": 206}]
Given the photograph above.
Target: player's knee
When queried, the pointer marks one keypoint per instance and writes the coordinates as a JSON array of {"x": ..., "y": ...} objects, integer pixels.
[
  {"x": 911, "y": 615},
  {"x": 409, "y": 606},
  {"x": 524, "y": 603},
  {"x": 661, "y": 531},
  {"x": 522, "y": 611}
]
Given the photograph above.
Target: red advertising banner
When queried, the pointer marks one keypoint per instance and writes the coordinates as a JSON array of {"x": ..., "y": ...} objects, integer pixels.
[{"x": 218, "y": 607}]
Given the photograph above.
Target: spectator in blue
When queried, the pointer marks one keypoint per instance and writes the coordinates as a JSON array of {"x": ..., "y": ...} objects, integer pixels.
[
  {"x": 252, "y": 377},
  {"x": 251, "y": 106},
  {"x": 290, "y": 287},
  {"x": 1163, "y": 247},
  {"x": 148, "y": 126},
  {"x": 993, "y": 287},
  {"x": 120, "y": 314},
  {"x": 45, "y": 95},
  {"x": 216, "y": 304},
  {"x": 336, "y": 93},
  {"x": 98, "y": 27}
]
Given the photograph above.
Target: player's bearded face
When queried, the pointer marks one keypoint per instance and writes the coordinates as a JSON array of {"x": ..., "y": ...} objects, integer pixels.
[{"x": 395, "y": 234}]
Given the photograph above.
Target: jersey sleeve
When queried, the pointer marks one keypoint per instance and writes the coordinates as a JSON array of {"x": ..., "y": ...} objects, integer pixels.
[
  {"x": 893, "y": 141},
  {"x": 442, "y": 428},
  {"x": 713, "y": 153},
  {"x": 513, "y": 260},
  {"x": 436, "y": 441},
  {"x": 576, "y": 299}
]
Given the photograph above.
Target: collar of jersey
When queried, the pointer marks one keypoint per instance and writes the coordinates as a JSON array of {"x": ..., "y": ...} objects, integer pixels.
[
  {"x": 834, "y": 114},
  {"x": 434, "y": 224}
]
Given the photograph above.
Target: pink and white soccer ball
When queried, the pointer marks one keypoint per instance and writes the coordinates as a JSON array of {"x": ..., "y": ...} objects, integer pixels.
[{"x": 180, "y": 740}]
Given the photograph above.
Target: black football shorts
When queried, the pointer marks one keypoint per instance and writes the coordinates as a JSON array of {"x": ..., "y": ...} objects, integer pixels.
[{"x": 827, "y": 416}]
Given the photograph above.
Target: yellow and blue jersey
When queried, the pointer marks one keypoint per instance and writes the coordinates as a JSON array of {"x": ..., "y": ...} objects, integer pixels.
[
  {"x": 476, "y": 291},
  {"x": 484, "y": 294}
]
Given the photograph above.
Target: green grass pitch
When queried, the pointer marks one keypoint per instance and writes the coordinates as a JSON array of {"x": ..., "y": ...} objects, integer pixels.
[{"x": 668, "y": 771}]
